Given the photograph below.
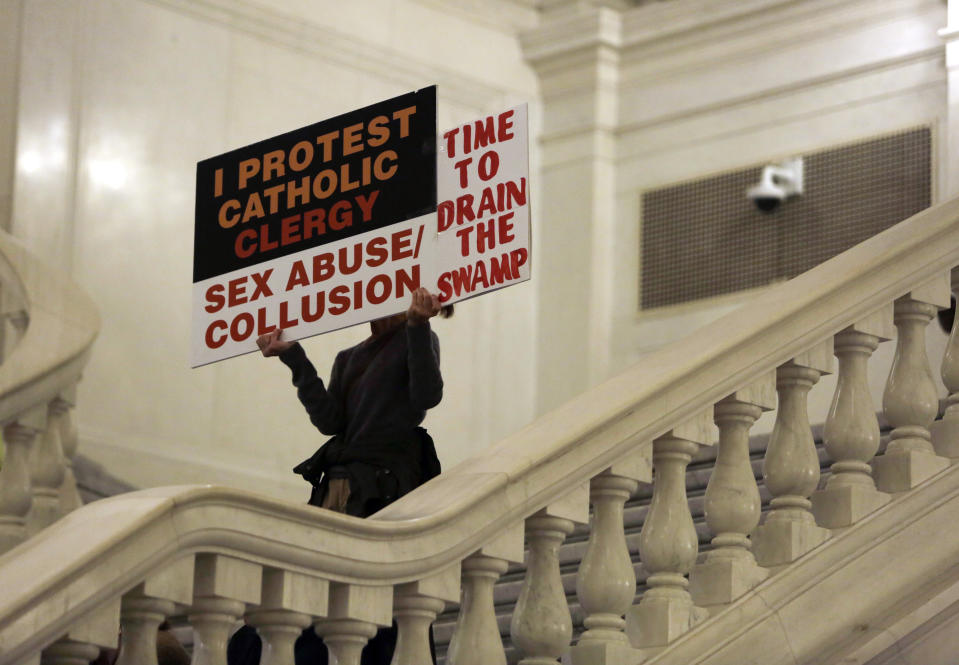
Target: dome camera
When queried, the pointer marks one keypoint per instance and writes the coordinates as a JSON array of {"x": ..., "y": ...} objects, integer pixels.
[{"x": 778, "y": 183}]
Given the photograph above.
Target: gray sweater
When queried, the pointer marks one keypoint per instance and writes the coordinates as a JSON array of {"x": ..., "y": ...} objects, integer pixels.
[{"x": 379, "y": 390}]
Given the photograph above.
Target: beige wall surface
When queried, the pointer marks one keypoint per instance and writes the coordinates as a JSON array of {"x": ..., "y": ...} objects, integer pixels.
[
  {"x": 674, "y": 91},
  {"x": 118, "y": 101}
]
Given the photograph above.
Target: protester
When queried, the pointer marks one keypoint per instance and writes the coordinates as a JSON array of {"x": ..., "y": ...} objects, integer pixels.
[{"x": 376, "y": 399}]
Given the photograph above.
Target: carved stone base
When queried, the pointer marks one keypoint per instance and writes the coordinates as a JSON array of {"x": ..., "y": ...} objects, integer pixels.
[
  {"x": 842, "y": 506},
  {"x": 724, "y": 580},
  {"x": 902, "y": 470},
  {"x": 778, "y": 542},
  {"x": 604, "y": 653},
  {"x": 945, "y": 436},
  {"x": 661, "y": 618}
]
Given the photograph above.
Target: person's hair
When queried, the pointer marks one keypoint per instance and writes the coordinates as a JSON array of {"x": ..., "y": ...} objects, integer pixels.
[{"x": 446, "y": 311}]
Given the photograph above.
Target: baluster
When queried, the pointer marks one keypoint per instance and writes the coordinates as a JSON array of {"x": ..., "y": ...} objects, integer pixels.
[
  {"x": 476, "y": 638},
  {"x": 945, "y": 432},
  {"x": 289, "y": 603},
  {"x": 98, "y": 629},
  {"x": 851, "y": 435},
  {"x": 354, "y": 615},
  {"x": 144, "y": 608},
  {"x": 47, "y": 471},
  {"x": 732, "y": 502},
  {"x": 606, "y": 581},
  {"x": 668, "y": 543},
  {"x": 15, "y": 323},
  {"x": 222, "y": 586},
  {"x": 69, "y": 441},
  {"x": 16, "y": 497},
  {"x": 791, "y": 465},
  {"x": 541, "y": 625},
  {"x": 415, "y": 606},
  {"x": 911, "y": 400},
  {"x": 68, "y": 652}
]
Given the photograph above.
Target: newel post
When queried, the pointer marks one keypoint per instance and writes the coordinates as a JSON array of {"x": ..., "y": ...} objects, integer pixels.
[
  {"x": 606, "y": 582},
  {"x": 476, "y": 637},
  {"x": 356, "y": 612},
  {"x": 732, "y": 500},
  {"x": 791, "y": 465},
  {"x": 288, "y": 603},
  {"x": 851, "y": 435},
  {"x": 945, "y": 432},
  {"x": 541, "y": 625},
  {"x": 911, "y": 400},
  {"x": 144, "y": 608},
  {"x": 16, "y": 496},
  {"x": 668, "y": 544}
]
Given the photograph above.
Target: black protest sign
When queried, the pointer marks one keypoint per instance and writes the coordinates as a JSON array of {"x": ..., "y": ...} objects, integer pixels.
[{"x": 354, "y": 173}]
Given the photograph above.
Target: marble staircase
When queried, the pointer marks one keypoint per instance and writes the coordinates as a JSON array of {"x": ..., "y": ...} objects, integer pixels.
[
  {"x": 800, "y": 587},
  {"x": 508, "y": 587}
]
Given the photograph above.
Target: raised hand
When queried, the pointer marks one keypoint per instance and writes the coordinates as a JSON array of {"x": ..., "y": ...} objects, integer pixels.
[
  {"x": 271, "y": 345},
  {"x": 423, "y": 307}
]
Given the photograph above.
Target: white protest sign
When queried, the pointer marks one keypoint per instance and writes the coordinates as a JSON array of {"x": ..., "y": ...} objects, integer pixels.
[{"x": 483, "y": 218}]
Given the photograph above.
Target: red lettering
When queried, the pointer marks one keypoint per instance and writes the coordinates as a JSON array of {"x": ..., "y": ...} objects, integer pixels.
[
  {"x": 485, "y": 133},
  {"x": 446, "y": 291},
  {"x": 464, "y": 208},
  {"x": 366, "y": 204},
  {"x": 214, "y": 296},
  {"x": 298, "y": 276},
  {"x": 504, "y": 228},
  {"x": 290, "y": 230},
  {"x": 504, "y": 126},
  {"x": 262, "y": 288},
  {"x": 313, "y": 222},
  {"x": 244, "y": 251},
  {"x": 265, "y": 243},
  {"x": 308, "y": 316},
  {"x": 261, "y": 326},
  {"x": 377, "y": 252},
  {"x": 407, "y": 281},
  {"x": 488, "y": 165},
  {"x": 323, "y": 267},
  {"x": 518, "y": 258},
  {"x": 387, "y": 287},
  {"x": 238, "y": 335},
  {"x": 461, "y": 166},
  {"x": 285, "y": 321},
  {"x": 237, "y": 291},
  {"x": 401, "y": 244},
  {"x": 450, "y": 137},
  {"x": 444, "y": 216},
  {"x": 341, "y": 215},
  {"x": 211, "y": 342}
]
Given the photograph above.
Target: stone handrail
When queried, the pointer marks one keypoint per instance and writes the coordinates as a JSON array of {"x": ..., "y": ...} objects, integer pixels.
[
  {"x": 472, "y": 516},
  {"x": 56, "y": 344},
  {"x": 50, "y": 326}
]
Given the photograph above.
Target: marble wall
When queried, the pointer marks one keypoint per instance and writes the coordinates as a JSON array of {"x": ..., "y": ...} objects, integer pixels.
[
  {"x": 118, "y": 100},
  {"x": 667, "y": 92}
]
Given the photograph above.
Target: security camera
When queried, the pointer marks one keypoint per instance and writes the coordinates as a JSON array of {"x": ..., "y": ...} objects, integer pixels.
[{"x": 778, "y": 183}]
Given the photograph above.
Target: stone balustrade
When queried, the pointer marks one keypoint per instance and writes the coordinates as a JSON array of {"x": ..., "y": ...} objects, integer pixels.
[
  {"x": 47, "y": 327},
  {"x": 221, "y": 556}
]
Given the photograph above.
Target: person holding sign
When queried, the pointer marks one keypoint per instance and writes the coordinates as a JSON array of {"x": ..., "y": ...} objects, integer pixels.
[{"x": 378, "y": 394}]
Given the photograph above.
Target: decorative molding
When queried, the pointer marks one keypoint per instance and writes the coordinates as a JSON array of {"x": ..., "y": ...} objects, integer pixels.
[
  {"x": 752, "y": 38},
  {"x": 297, "y": 34},
  {"x": 507, "y": 16},
  {"x": 572, "y": 30},
  {"x": 790, "y": 88}
]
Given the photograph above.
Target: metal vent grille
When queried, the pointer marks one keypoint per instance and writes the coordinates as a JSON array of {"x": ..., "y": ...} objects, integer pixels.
[{"x": 704, "y": 238}]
